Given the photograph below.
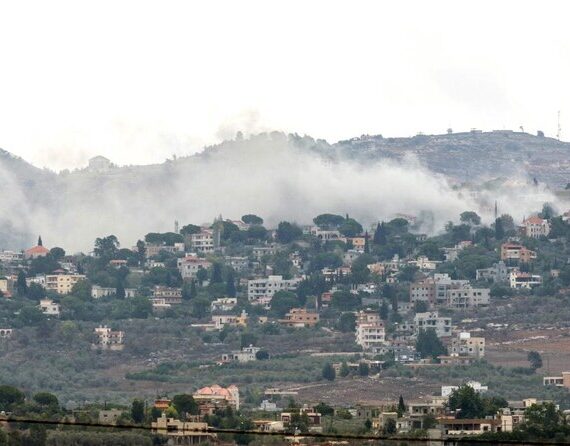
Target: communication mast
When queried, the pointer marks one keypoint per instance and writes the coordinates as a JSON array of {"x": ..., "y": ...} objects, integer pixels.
[{"x": 559, "y": 128}]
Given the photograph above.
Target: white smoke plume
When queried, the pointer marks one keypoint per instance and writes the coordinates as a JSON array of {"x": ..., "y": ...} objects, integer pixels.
[{"x": 270, "y": 175}]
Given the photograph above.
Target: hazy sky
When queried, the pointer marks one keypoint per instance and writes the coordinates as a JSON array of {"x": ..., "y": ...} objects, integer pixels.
[{"x": 138, "y": 81}]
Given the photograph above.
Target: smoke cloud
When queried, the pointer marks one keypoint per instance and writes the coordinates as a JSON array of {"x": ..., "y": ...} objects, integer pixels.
[{"x": 271, "y": 175}]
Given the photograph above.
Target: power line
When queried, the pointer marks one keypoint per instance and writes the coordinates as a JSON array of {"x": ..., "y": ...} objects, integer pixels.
[{"x": 214, "y": 430}]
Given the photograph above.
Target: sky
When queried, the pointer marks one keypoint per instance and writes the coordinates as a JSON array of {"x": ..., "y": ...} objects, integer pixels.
[{"x": 139, "y": 81}]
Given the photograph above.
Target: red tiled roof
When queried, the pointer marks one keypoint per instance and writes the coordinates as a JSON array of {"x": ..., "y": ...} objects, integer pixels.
[{"x": 37, "y": 250}]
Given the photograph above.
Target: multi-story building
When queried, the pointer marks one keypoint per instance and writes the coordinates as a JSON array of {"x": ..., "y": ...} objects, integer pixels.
[
  {"x": 370, "y": 331},
  {"x": 6, "y": 333},
  {"x": 221, "y": 320},
  {"x": 171, "y": 296},
  {"x": 183, "y": 432},
  {"x": 268, "y": 286},
  {"x": 516, "y": 252},
  {"x": 108, "y": 339},
  {"x": 237, "y": 263},
  {"x": 465, "y": 296},
  {"x": 50, "y": 308},
  {"x": 559, "y": 381},
  {"x": 423, "y": 291},
  {"x": 246, "y": 354},
  {"x": 535, "y": 227},
  {"x": 11, "y": 256},
  {"x": 190, "y": 265},
  {"x": 300, "y": 317},
  {"x": 223, "y": 304},
  {"x": 98, "y": 292},
  {"x": 259, "y": 252},
  {"x": 62, "y": 283},
  {"x": 203, "y": 241},
  {"x": 499, "y": 272},
  {"x": 519, "y": 279},
  {"x": 432, "y": 320},
  {"x": 466, "y": 345},
  {"x": 211, "y": 398},
  {"x": 152, "y": 250}
]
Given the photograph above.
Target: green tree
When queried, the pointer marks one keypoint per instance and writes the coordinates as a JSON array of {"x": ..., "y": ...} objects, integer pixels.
[
  {"x": 429, "y": 422},
  {"x": 288, "y": 232},
  {"x": 390, "y": 427},
  {"x": 216, "y": 274},
  {"x": 46, "y": 399},
  {"x": 344, "y": 301},
  {"x": 328, "y": 221},
  {"x": 137, "y": 411},
  {"x": 363, "y": 369},
  {"x": 106, "y": 247},
  {"x": 429, "y": 345},
  {"x": 344, "y": 370},
  {"x": 190, "y": 229},
  {"x": 262, "y": 355},
  {"x": 324, "y": 409},
  {"x": 57, "y": 253},
  {"x": 347, "y": 322},
  {"x": 401, "y": 406},
  {"x": 21, "y": 285},
  {"x": 82, "y": 290},
  {"x": 384, "y": 310},
  {"x": 36, "y": 292},
  {"x": 185, "y": 404},
  {"x": 10, "y": 397},
  {"x": 328, "y": 372},
  {"x": 247, "y": 339},
  {"x": 470, "y": 218},
  {"x": 535, "y": 360},
  {"x": 350, "y": 228},
  {"x": 282, "y": 302},
  {"x": 252, "y": 219},
  {"x": 380, "y": 238},
  {"x": 466, "y": 402},
  {"x": 230, "y": 284}
]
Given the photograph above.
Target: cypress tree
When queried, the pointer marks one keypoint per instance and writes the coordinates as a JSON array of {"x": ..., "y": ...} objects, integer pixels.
[
  {"x": 230, "y": 285},
  {"x": 380, "y": 235},
  {"x": 21, "y": 285}
]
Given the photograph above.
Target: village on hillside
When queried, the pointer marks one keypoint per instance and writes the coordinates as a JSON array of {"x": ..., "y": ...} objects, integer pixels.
[{"x": 332, "y": 327}]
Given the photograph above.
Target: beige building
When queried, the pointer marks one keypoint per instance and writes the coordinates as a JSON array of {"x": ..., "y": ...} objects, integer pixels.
[
  {"x": 466, "y": 345},
  {"x": 535, "y": 227},
  {"x": 62, "y": 283},
  {"x": 49, "y": 307},
  {"x": 183, "y": 432},
  {"x": 300, "y": 317},
  {"x": 370, "y": 331}
]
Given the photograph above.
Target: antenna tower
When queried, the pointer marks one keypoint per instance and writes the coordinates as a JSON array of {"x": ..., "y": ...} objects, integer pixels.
[{"x": 559, "y": 128}]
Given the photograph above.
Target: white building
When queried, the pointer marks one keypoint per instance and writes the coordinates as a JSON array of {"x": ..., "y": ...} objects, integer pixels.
[
  {"x": 246, "y": 354},
  {"x": 98, "y": 292},
  {"x": 49, "y": 307},
  {"x": 190, "y": 265},
  {"x": 441, "y": 325},
  {"x": 536, "y": 227},
  {"x": 268, "y": 286},
  {"x": 11, "y": 256},
  {"x": 223, "y": 304},
  {"x": 109, "y": 339},
  {"x": 518, "y": 279},
  {"x": 446, "y": 391},
  {"x": 203, "y": 241}
]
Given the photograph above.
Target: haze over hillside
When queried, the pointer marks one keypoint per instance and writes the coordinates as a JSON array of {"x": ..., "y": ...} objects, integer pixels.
[{"x": 283, "y": 176}]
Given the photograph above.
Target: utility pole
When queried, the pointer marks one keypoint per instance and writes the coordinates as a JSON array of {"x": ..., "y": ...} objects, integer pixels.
[{"x": 559, "y": 131}]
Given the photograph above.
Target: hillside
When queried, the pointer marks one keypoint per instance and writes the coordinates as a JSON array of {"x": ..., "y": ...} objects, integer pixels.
[
  {"x": 470, "y": 157},
  {"x": 277, "y": 175}
]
